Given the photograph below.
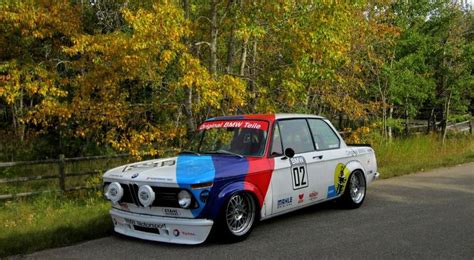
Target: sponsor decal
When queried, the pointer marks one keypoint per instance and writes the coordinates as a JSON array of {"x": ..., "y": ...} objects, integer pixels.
[
  {"x": 159, "y": 179},
  {"x": 144, "y": 224},
  {"x": 331, "y": 191},
  {"x": 261, "y": 125},
  {"x": 299, "y": 173},
  {"x": 301, "y": 198},
  {"x": 116, "y": 175},
  {"x": 134, "y": 175},
  {"x": 285, "y": 202},
  {"x": 313, "y": 195},
  {"x": 187, "y": 233},
  {"x": 171, "y": 212},
  {"x": 341, "y": 175},
  {"x": 176, "y": 232}
]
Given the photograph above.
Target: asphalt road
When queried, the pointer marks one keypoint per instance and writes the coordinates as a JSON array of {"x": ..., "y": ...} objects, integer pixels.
[{"x": 424, "y": 215}]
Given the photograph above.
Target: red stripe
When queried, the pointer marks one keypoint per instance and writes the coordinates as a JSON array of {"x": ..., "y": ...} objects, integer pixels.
[
  {"x": 260, "y": 169},
  {"x": 260, "y": 174}
]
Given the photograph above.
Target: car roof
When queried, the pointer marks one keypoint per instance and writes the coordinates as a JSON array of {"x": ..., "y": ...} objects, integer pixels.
[
  {"x": 284, "y": 116},
  {"x": 269, "y": 117}
]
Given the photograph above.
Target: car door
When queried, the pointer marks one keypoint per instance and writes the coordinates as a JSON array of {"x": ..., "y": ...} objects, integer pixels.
[
  {"x": 330, "y": 158},
  {"x": 291, "y": 181}
]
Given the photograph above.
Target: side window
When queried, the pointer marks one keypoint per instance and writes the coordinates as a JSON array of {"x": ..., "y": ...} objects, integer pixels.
[
  {"x": 276, "y": 142},
  {"x": 324, "y": 137},
  {"x": 295, "y": 134}
]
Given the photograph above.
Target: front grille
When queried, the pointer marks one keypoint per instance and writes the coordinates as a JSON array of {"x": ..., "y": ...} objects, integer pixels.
[
  {"x": 164, "y": 196},
  {"x": 133, "y": 188},
  {"x": 127, "y": 195}
]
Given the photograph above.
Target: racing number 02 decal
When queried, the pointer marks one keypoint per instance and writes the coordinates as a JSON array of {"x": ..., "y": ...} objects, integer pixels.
[{"x": 299, "y": 173}]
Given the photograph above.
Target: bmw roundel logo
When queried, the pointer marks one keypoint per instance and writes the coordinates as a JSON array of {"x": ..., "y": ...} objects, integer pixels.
[{"x": 134, "y": 175}]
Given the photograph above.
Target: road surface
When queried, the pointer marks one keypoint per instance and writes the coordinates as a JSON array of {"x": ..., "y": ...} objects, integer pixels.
[{"x": 424, "y": 215}]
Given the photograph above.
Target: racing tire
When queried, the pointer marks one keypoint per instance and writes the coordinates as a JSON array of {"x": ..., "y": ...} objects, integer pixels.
[
  {"x": 355, "y": 190},
  {"x": 237, "y": 219}
]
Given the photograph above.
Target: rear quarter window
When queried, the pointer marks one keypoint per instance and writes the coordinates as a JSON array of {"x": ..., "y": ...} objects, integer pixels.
[{"x": 323, "y": 135}]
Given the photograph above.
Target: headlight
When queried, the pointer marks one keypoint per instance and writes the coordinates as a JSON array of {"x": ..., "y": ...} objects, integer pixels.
[
  {"x": 114, "y": 192},
  {"x": 184, "y": 199},
  {"x": 146, "y": 195}
]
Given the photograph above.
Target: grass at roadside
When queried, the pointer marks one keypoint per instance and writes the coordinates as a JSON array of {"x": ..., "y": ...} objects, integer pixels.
[
  {"x": 420, "y": 153},
  {"x": 51, "y": 221}
]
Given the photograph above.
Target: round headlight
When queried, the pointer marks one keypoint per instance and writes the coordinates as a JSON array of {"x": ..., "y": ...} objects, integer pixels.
[
  {"x": 184, "y": 199},
  {"x": 114, "y": 192},
  {"x": 146, "y": 195}
]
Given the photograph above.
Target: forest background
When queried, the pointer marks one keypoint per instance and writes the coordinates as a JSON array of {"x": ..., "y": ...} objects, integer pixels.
[{"x": 100, "y": 77}]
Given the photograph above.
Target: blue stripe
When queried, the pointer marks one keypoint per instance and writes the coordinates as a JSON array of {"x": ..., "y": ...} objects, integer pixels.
[
  {"x": 191, "y": 169},
  {"x": 228, "y": 169}
]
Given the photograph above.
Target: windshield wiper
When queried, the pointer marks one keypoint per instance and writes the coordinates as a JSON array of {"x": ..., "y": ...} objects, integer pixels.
[
  {"x": 225, "y": 152},
  {"x": 189, "y": 152}
]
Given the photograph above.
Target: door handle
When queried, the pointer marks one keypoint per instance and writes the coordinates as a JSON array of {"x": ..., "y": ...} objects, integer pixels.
[{"x": 318, "y": 157}]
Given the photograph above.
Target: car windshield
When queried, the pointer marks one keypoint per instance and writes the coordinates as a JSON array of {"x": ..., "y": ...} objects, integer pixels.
[{"x": 231, "y": 137}]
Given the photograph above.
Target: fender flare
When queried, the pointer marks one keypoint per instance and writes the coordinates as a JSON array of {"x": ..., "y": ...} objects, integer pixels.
[
  {"x": 232, "y": 188},
  {"x": 356, "y": 165}
]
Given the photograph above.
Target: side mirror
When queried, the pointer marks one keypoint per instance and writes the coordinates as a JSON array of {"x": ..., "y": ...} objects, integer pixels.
[{"x": 289, "y": 152}]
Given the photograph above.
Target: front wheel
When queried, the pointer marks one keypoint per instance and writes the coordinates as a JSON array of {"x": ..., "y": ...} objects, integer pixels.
[
  {"x": 354, "y": 192},
  {"x": 238, "y": 217}
]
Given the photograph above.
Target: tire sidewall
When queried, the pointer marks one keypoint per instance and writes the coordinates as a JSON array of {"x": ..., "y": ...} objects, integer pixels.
[{"x": 346, "y": 198}]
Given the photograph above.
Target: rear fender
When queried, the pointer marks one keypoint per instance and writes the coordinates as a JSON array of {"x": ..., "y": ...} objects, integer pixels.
[{"x": 356, "y": 165}]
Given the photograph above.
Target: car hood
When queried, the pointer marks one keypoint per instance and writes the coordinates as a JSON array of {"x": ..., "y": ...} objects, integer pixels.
[{"x": 182, "y": 170}]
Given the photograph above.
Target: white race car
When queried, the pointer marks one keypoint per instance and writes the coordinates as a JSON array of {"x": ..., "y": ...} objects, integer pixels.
[{"x": 239, "y": 170}]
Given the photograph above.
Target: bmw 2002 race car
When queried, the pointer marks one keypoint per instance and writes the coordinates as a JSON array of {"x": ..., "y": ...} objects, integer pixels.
[{"x": 239, "y": 170}]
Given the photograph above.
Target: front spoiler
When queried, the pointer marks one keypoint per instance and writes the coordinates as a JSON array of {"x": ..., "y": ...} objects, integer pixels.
[{"x": 163, "y": 229}]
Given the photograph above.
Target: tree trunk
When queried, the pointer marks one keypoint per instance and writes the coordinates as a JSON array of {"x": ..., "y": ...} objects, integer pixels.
[
  {"x": 407, "y": 121},
  {"x": 252, "y": 72},
  {"x": 188, "y": 103},
  {"x": 384, "y": 116},
  {"x": 230, "y": 43},
  {"x": 243, "y": 57},
  {"x": 213, "y": 43},
  {"x": 384, "y": 108},
  {"x": 446, "y": 114},
  {"x": 390, "y": 116},
  {"x": 430, "y": 120},
  {"x": 188, "y": 109}
]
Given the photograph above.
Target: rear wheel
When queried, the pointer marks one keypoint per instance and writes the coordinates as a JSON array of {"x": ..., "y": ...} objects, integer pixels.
[
  {"x": 354, "y": 192},
  {"x": 238, "y": 217}
]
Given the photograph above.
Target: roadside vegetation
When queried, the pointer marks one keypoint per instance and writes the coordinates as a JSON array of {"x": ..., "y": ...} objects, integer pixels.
[
  {"x": 421, "y": 153},
  {"x": 51, "y": 221}
]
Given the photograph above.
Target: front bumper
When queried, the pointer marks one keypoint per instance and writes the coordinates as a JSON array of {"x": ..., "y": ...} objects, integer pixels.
[{"x": 163, "y": 229}]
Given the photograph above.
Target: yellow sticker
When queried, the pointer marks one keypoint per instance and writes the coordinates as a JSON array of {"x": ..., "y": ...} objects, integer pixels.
[{"x": 341, "y": 175}]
